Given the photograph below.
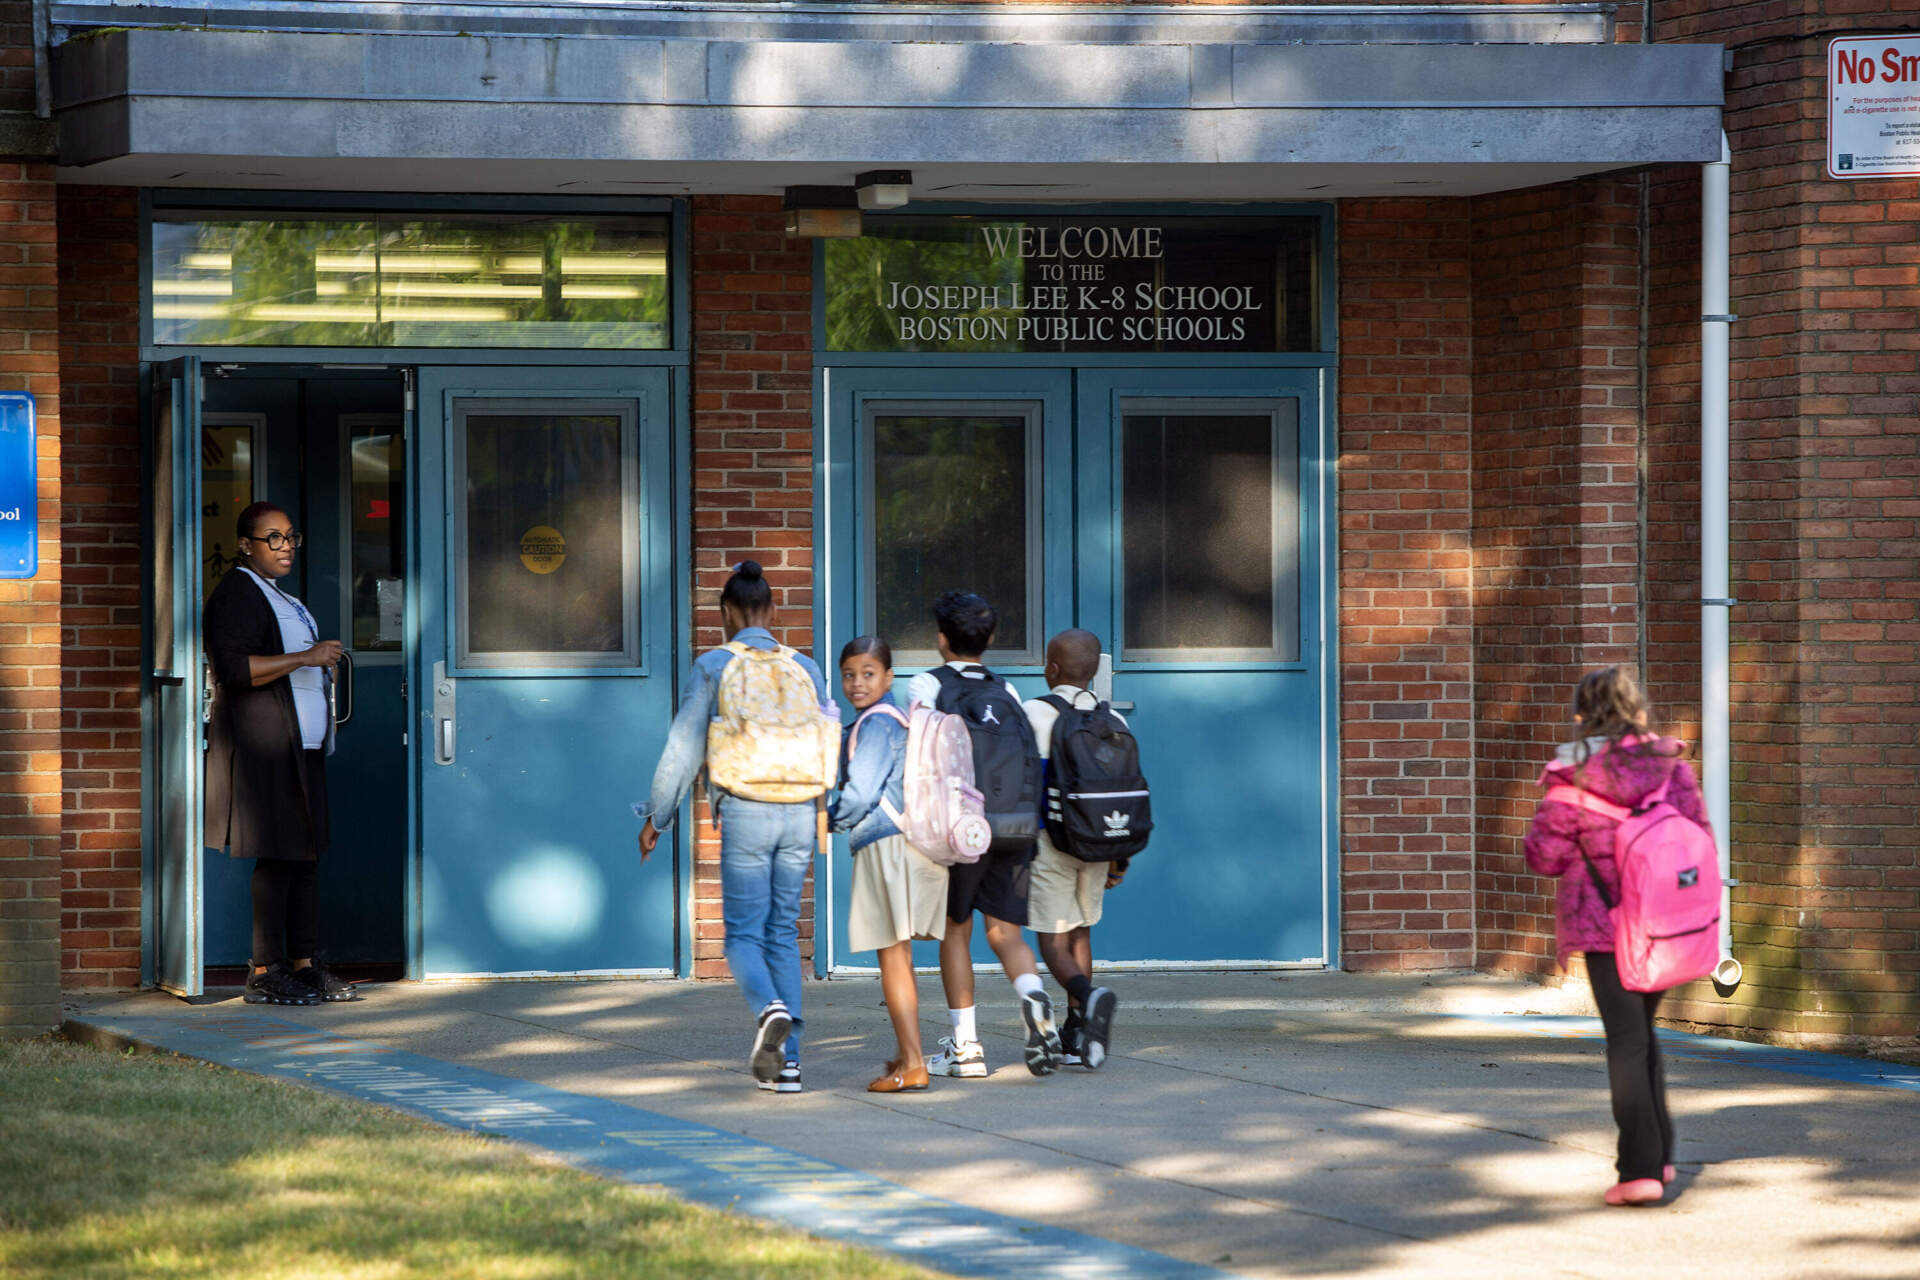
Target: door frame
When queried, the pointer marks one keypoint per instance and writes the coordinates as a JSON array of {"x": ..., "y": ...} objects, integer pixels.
[
  {"x": 843, "y": 381},
  {"x": 676, "y": 357}
]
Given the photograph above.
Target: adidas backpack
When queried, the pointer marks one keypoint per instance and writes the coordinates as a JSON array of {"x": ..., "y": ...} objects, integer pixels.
[
  {"x": 942, "y": 815},
  {"x": 1006, "y": 762},
  {"x": 770, "y": 739},
  {"x": 1098, "y": 807},
  {"x": 1666, "y": 922}
]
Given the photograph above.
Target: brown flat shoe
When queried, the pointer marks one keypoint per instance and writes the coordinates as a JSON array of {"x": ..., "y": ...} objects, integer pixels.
[{"x": 897, "y": 1081}]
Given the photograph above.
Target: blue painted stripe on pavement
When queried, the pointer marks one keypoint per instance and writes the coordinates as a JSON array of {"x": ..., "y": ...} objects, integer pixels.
[
  {"x": 1740, "y": 1053},
  {"x": 694, "y": 1161}
]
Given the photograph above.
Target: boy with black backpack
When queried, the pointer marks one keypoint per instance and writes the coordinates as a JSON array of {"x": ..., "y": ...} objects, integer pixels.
[
  {"x": 1006, "y": 767},
  {"x": 1097, "y": 818}
]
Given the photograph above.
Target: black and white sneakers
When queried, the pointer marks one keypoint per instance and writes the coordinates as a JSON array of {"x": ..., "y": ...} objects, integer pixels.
[
  {"x": 1042, "y": 1049},
  {"x": 769, "y": 1054},
  {"x": 959, "y": 1059},
  {"x": 1097, "y": 1028},
  {"x": 788, "y": 1081}
]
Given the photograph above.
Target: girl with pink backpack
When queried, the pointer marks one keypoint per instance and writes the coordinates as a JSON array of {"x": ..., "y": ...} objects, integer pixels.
[
  {"x": 1620, "y": 763},
  {"x": 899, "y": 894}
]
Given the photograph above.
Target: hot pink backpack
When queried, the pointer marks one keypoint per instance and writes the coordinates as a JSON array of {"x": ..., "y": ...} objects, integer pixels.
[
  {"x": 945, "y": 816},
  {"x": 1666, "y": 926}
]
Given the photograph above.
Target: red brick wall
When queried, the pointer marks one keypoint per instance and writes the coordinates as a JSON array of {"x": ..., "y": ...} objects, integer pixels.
[
  {"x": 1825, "y": 494},
  {"x": 1556, "y": 406},
  {"x": 1405, "y": 594},
  {"x": 100, "y": 471},
  {"x": 752, "y": 456},
  {"x": 30, "y": 609}
]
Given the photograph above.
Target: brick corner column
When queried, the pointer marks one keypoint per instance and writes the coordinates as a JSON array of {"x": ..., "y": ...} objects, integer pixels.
[
  {"x": 752, "y": 461},
  {"x": 30, "y": 655},
  {"x": 1406, "y": 658}
]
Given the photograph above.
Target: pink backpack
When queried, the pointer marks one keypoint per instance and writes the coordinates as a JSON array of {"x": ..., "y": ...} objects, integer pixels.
[
  {"x": 1666, "y": 924},
  {"x": 945, "y": 815}
]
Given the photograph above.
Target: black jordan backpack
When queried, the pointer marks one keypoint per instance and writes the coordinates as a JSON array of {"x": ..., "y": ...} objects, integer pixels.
[{"x": 1006, "y": 760}]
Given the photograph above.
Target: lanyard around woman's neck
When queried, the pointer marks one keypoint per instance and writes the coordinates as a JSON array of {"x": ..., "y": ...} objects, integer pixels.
[{"x": 313, "y": 628}]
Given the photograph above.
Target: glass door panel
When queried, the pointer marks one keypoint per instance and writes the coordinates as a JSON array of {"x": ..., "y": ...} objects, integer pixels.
[
  {"x": 1209, "y": 521},
  {"x": 955, "y": 496}
]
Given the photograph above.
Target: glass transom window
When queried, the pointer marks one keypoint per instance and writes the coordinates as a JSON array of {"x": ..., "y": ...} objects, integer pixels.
[{"x": 410, "y": 280}]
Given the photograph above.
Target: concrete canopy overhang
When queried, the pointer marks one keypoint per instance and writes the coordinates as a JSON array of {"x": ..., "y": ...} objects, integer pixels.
[{"x": 981, "y": 103}]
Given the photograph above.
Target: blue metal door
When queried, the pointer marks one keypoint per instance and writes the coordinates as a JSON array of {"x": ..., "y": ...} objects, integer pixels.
[
  {"x": 1177, "y": 515},
  {"x": 545, "y": 670},
  {"x": 937, "y": 479},
  {"x": 175, "y": 696},
  {"x": 1198, "y": 564}
]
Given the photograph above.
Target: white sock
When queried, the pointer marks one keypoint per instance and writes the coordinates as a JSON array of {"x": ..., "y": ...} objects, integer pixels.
[
  {"x": 1028, "y": 984},
  {"x": 963, "y": 1028}
]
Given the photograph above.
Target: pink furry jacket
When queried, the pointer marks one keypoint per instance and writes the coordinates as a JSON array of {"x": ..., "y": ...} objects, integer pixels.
[{"x": 1624, "y": 774}]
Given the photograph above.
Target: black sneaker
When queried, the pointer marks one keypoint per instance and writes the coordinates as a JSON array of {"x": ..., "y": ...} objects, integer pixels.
[
  {"x": 769, "y": 1052},
  {"x": 326, "y": 984},
  {"x": 1072, "y": 1032},
  {"x": 274, "y": 985},
  {"x": 788, "y": 1081},
  {"x": 1043, "y": 1042},
  {"x": 1099, "y": 1027}
]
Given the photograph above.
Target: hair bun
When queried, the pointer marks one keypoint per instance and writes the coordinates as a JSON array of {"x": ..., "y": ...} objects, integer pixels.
[{"x": 748, "y": 569}]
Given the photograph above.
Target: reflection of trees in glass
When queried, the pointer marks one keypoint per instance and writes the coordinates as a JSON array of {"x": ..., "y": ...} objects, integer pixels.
[
  {"x": 385, "y": 280},
  {"x": 950, "y": 513},
  {"x": 943, "y": 251}
]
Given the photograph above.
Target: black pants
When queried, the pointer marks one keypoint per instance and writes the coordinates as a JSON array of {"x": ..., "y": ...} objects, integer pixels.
[
  {"x": 286, "y": 910},
  {"x": 1635, "y": 1076}
]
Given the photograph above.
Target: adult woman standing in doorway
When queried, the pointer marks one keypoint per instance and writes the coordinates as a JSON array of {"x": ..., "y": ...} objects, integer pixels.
[{"x": 267, "y": 743}]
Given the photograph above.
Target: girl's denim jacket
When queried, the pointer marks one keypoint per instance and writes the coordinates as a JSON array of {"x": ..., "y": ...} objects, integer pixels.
[
  {"x": 875, "y": 769},
  {"x": 686, "y": 748}
]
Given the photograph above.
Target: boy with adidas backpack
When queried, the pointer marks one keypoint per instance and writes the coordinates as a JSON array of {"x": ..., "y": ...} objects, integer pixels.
[
  {"x": 757, "y": 716},
  {"x": 1622, "y": 805},
  {"x": 1097, "y": 816},
  {"x": 1006, "y": 764}
]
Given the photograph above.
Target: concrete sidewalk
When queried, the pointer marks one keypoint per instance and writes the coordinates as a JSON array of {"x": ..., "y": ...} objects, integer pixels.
[{"x": 1250, "y": 1123}]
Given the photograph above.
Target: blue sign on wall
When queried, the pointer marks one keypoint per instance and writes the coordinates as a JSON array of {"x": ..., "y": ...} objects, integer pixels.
[{"x": 19, "y": 488}]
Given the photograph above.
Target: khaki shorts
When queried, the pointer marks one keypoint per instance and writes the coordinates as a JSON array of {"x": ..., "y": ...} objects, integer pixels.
[
  {"x": 1066, "y": 893},
  {"x": 897, "y": 894}
]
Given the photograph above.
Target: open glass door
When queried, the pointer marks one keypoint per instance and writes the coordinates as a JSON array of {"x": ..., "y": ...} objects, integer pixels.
[{"x": 177, "y": 697}]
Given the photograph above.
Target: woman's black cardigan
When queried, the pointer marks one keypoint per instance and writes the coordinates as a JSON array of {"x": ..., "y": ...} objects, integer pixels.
[{"x": 256, "y": 780}]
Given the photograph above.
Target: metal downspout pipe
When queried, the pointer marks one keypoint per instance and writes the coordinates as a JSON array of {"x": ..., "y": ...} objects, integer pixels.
[{"x": 1716, "y": 603}]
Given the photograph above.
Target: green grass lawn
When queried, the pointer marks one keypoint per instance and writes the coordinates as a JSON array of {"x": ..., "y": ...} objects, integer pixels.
[{"x": 113, "y": 1165}]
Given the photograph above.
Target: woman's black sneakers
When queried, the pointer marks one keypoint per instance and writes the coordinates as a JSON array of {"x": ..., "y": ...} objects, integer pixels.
[
  {"x": 324, "y": 983},
  {"x": 275, "y": 985}
]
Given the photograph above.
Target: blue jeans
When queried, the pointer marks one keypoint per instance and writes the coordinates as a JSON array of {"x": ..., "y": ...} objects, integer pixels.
[{"x": 765, "y": 850}]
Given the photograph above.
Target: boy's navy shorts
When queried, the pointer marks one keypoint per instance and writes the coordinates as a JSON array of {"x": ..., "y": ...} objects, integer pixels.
[{"x": 996, "y": 886}]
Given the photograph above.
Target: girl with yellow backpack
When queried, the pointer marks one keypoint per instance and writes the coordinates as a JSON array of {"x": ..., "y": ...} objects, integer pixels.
[{"x": 757, "y": 716}]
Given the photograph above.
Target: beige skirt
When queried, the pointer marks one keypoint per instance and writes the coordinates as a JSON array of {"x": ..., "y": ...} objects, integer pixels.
[{"x": 897, "y": 894}]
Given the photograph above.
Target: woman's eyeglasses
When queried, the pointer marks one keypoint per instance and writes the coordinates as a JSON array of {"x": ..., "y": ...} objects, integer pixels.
[{"x": 276, "y": 539}]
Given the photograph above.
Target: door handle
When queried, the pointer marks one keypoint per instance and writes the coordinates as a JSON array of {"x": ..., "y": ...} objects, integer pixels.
[
  {"x": 342, "y": 678},
  {"x": 443, "y": 717},
  {"x": 206, "y": 695}
]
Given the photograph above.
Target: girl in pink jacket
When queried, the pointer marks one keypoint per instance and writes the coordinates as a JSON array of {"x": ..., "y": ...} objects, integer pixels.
[{"x": 1619, "y": 759}]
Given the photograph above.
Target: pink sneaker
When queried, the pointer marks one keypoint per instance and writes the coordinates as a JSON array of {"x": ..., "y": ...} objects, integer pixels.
[
  {"x": 1668, "y": 1173},
  {"x": 1641, "y": 1191}
]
